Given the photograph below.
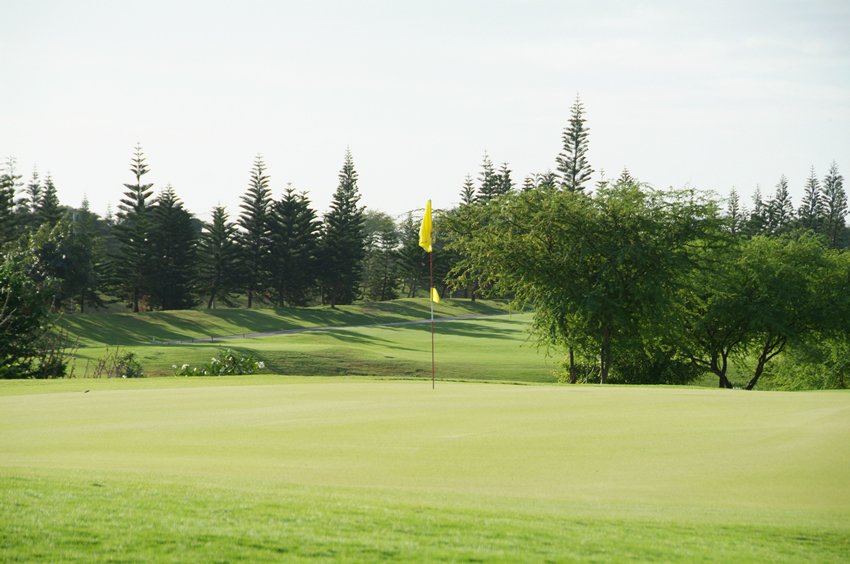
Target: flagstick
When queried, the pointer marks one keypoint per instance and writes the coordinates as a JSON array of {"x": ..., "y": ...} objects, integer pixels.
[{"x": 431, "y": 299}]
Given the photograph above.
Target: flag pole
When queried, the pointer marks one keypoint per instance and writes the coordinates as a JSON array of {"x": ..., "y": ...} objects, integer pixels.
[
  {"x": 431, "y": 299},
  {"x": 426, "y": 240}
]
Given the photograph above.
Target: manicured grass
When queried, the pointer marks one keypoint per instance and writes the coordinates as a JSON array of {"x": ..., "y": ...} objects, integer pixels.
[
  {"x": 95, "y": 329},
  {"x": 492, "y": 348},
  {"x": 267, "y": 467}
]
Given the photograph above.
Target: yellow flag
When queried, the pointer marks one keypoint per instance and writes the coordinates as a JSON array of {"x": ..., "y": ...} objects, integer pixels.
[
  {"x": 425, "y": 229},
  {"x": 435, "y": 296}
]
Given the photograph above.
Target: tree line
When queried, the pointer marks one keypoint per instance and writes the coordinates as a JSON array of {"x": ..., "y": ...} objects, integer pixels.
[{"x": 502, "y": 240}]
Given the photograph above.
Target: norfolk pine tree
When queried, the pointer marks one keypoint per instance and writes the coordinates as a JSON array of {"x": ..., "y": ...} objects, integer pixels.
[
  {"x": 294, "y": 239},
  {"x": 132, "y": 261},
  {"x": 218, "y": 258},
  {"x": 49, "y": 210},
  {"x": 811, "y": 212},
  {"x": 835, "y": 207},
  {"x": 254, "y": 238},
  {"x": 173, "y": 244},
  {"x": 342, "y": 243},
  {"x": 572, "y": 164}
]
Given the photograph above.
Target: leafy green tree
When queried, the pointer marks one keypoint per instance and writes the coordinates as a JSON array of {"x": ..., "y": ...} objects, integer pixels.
[
  {"x": 218, "y": 258},
  {"x": 787, "y": 292},
  {"x": 572, "y": 165},
  {"x": 811, "y": 212},
  {"x": 132, "y": 261},
  {"x": 342, "y": 242},
  {"x": 25, "y": 316},
  {"x": 597, "y": 271},
  {"x": 173, "y": 247},
  {"x": 835, "y": 207},
  {"x": 254, "y": 237},
  {"x": 65, "y": 255},
  {"x": 294, "y": 247}
]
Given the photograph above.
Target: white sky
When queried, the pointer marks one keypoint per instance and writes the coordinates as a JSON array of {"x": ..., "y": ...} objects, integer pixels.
[{"x": 706, "y": 94}]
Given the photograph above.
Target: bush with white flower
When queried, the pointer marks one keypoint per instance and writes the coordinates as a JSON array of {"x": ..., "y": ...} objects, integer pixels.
[{"x": 228, "y": 362}]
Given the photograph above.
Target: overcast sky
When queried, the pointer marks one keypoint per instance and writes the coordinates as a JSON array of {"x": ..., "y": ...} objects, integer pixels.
[{"x": 703, "y": 94}]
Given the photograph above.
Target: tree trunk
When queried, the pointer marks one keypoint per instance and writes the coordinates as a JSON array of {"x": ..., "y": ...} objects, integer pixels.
[
  {"x": 771, "y": 348},
  {"x": 250, "y": 298},
  {"x": 573, "y": 375},
  {"x": 135, "y": 300},
  {"x": 605, "y": 355}
]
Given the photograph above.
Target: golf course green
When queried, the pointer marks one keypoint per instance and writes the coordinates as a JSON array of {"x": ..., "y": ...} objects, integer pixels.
[{"x": 277, "y": 467}]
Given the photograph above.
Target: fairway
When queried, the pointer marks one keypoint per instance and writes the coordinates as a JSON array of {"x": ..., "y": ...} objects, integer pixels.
[{"x": 259, "y": 467}]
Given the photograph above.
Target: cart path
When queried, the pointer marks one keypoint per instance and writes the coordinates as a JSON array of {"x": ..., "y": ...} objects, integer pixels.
[{"x": 328, "y": 328}]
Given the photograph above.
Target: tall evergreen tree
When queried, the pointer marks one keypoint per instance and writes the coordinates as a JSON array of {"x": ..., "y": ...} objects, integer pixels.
[
  {"x": 49, "y": 210},
  {"x": 780, "y": 210},
  {"x": 254, "y": 238},
  {"x": 489, "y": 183},
  {"x": 89, "y": 230},
  {"x": 9, "y": 183},
  {"x": 132, "y": 261},
  {"x": 757, "y": 221},
  {"x": 342, "y": 244},
  {"x": 27, "y": 207},
  {"x": 294, "y": 243},
  {"x": 810, "y": 214},
  {"x": 506, "y": 183},
  {"x": 835, "y": 206},
  {"x": 173, "y": 246},
  {"x": 467, "y": 192},
  {"x": 734, "y": 212},
  {"x": 572, "y": 164},
  {"x": 218, "y": 258}
]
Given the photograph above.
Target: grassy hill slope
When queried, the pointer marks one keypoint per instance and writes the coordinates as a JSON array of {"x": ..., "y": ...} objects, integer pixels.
[{"x": 95, "y": 329}]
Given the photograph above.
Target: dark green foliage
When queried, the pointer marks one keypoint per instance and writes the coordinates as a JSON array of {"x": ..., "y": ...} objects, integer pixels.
[
  {"x": 218, "y": 259},
  {"x": 572, "y": 164},
  {"x": 342, "y": 243},
  {"x": 65, "y": 254},
  {"x": 131, "y": 262},
  {"x": 411, "y": 259},
  {"x": 757, "y": 221},
  {"x": 294, "y": 240},
  {"x": 381, "y": 272},
  {"x": 254, "y": 238},
  {"x": 599, "y": 272},
  {"x": 26, "y": 292},
  {"x": 173, "y": 246},
  {"x": 49, "y": 211},
  {"x": 489, "y": 183}
]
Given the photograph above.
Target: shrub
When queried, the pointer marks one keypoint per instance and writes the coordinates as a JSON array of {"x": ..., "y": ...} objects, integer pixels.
[{"x": 228, "y": 362}]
